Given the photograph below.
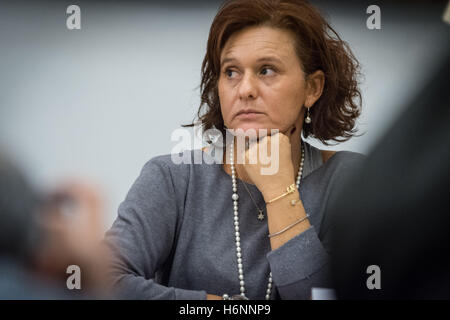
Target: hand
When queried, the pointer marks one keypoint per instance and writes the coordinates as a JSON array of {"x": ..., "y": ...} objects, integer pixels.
[{"x": 282, "y": 175}]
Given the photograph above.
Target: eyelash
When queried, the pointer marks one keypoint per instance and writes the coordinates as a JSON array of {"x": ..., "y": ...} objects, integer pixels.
[{"x": 264, "y": 67}]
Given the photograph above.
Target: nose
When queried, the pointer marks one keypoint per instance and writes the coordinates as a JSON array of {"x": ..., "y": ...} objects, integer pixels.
[{"x": 247, "y": 87}]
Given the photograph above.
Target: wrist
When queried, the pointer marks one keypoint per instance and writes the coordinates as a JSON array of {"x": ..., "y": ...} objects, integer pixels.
[{"x": 274, "y": 190}]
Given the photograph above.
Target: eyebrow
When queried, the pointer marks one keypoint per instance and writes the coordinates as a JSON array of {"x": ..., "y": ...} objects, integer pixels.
[{"x": 262, "y": 59}]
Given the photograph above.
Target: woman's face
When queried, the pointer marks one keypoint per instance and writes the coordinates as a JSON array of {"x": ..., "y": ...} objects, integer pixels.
[{"x": 261, "y": 83}]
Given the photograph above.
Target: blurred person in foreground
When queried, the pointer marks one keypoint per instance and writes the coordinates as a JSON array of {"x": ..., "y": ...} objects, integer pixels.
[
  {"x": 42, "y": 234},
  {"x": 398, "y": 207}
]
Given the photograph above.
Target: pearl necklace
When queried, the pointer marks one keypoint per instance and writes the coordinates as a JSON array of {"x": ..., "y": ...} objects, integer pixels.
[{"x": 235, "y": 198}]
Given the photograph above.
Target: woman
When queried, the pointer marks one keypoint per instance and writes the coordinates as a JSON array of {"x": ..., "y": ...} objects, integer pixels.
[{"x": 225, "y": 230}]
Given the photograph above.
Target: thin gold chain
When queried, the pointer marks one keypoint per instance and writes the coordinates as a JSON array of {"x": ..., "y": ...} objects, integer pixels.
[{"x": 246, "y": 188}]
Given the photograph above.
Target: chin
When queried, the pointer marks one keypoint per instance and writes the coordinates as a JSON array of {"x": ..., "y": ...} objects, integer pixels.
[
  {"x": 246, "y": 128},
  {"x": 256, "y": 128}
]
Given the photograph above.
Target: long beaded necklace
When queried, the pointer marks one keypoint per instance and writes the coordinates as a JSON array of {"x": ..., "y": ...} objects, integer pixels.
[{"x": 235, "y": 198}]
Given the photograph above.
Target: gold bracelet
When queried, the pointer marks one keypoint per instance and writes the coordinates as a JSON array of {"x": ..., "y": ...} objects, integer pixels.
[{"x": 289, "y": 190}]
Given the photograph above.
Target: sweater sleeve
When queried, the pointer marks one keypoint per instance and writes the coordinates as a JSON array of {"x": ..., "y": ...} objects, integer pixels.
[
  {"x": 143, "y": 235},
  {"x": 303, "y": 262},
  {"x": 299, "y": 265}
]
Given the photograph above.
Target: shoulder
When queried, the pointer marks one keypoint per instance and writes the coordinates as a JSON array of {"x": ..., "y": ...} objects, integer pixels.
[
  {"x": 345, "y": 159},
  {"x": 168, "y": 163},
  {"x": 339, "y": 164},
  {"x": 342, "y": 156},
  {"x": 177, "y": 166},
  {"x": 326, "y": 154},
  {"x": 345, "y": 156},
  {"x": 162, "y": 175}
]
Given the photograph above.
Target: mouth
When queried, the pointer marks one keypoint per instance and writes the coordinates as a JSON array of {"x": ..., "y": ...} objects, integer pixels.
[{"x": 249, "y": 113}]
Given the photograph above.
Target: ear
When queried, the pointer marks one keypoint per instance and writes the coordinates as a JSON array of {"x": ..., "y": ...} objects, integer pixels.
[{"x": 314, "y": 87}]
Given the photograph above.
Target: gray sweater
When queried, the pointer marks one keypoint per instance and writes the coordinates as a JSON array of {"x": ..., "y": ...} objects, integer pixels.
[{"x": 174, "y": 235}]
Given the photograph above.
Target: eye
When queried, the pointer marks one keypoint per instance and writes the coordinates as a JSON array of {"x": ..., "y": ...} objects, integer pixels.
[
  {"x": 228, "y": 72},
  {"x": 267, "y": 68}
]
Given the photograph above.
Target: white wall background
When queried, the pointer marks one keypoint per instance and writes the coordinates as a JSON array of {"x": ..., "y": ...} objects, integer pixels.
[{"x": 100, "y": 101}]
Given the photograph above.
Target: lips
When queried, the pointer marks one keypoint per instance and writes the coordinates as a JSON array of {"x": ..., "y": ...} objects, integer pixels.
[{"x": 248, "y": 112}]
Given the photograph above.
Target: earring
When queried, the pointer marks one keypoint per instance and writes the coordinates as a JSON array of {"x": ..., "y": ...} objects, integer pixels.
[
  {"x": 213, "y": 138},
  {"x": 308, "y": 118}
]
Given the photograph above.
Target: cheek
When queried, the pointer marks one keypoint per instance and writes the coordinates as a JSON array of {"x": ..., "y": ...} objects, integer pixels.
[
  {"x": 283, "y": 103},
  {"x": 295, "y": 98}
]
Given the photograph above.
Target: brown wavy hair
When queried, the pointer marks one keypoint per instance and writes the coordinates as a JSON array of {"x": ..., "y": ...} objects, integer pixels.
[{"x": 318, "y": 46}]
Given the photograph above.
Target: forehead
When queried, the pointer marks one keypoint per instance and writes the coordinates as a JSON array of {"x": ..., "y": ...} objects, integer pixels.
[{"x": 260, "y": 40}]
